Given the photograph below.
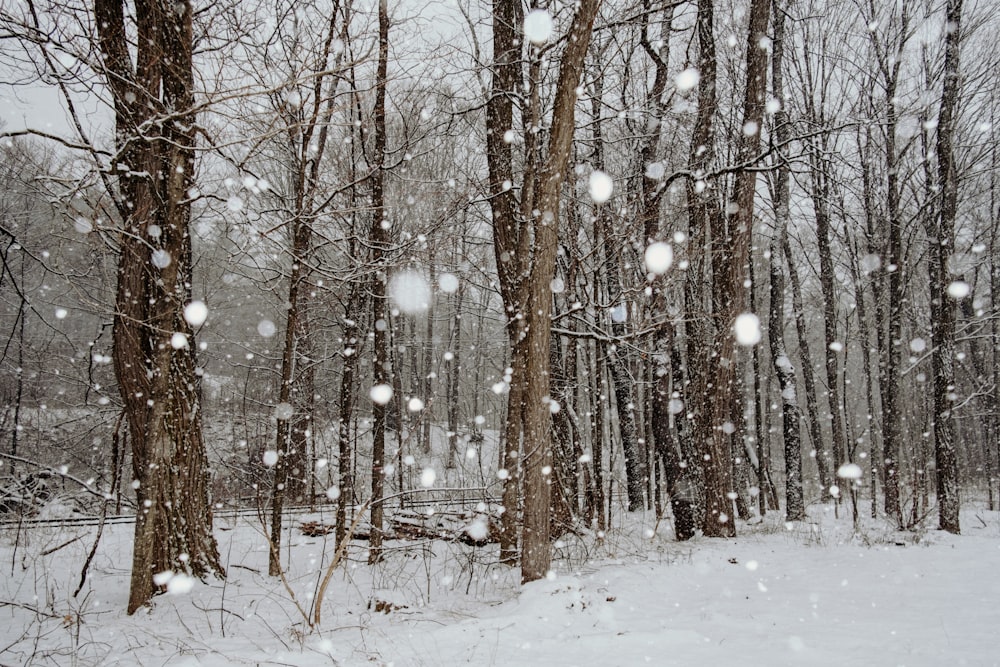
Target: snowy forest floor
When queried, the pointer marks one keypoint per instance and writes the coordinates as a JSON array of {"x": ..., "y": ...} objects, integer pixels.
[{"x": 815, "y": 593}]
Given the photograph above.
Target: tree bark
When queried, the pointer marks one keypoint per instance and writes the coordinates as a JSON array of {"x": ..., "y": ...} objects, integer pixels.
[
  {"x": 379, "y": 247},
  {"x": 507, "y": 232},
  {"x": 636, "y": 474},
  {"x": 790, "y": 415},
  {"x": 155, "y": 369},
  {"x": 536, "y": 552},
  {"x": 942, "y": 310},
  {"x": 703, "y": 210}
]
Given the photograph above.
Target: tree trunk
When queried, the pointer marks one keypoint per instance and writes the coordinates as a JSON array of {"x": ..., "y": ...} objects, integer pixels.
[
  {"x": 453, "y": 364},
  {"x": 703, "y": 211},
  {"x": 348, "y": 381},
  {"x": 507, "y": 228},
  {"x": 636, "y": 475},
  {"x": 820, "y": 194},
  {"x": 783, "y": 368},
  {"x": 153, "y": 343},
  {"x": 285, "y": 410},
  {"x": 942, "y": 310},
  {"x": 379, "y": 245},
  {"x": 535, "y": 548}
]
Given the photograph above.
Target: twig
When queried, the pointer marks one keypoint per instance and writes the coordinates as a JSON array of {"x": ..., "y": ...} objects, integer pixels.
[
  {"x": 55, "y": 471},
  {"x": 64, "y": 544},
  {"x": 93, "y": 549},
  {"x": 341, "y": 550}
]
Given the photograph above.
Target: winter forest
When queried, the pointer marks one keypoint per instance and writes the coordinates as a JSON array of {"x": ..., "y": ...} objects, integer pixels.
[{"x": 491, "y": 332}]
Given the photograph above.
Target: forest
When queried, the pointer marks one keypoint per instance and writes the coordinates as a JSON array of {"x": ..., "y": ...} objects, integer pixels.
[{"x": 545, "y": 269}]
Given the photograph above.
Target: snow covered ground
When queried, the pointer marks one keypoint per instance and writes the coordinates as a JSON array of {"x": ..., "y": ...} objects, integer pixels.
[{"x": 811, "y": 594}]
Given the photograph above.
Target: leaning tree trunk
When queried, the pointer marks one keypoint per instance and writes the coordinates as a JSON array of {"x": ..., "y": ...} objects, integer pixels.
[
  {"x": 536, "y": 554},
  {"x": 295, "y": 329},
  {"x": 153, "y": 343}
]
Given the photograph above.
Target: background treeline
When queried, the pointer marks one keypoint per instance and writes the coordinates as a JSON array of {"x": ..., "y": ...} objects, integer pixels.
[{"x": 415, "y": 196}]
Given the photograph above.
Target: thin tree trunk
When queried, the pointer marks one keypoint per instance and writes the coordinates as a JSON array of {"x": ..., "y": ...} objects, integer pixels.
[
  {"x": 790, "y": 415},
  {"x": 820, "y": 196},
  {"x": 453, "y": 364},
  {"x": 379, "y": 242},
  {"x": 348, "y": 381},
  {"x": 636, "y": 475},
  {"x": 808, "y": 379}
]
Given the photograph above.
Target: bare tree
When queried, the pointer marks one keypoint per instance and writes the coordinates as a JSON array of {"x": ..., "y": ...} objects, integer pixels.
[
  {"x": 379, "y": 239},
  {"x": 783, "y": 368},
  {"x": 153, "y": 342},
  {"x": 942, "y": 309}
]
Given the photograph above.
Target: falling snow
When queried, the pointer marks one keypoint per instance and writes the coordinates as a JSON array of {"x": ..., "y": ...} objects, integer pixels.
[
  {"x": 538, "y": 26},
  {"x": 381, "y": 394},
  {"x": 600, "y": 186},
  {"x": 195, "y": 313},
  {"x": 659, "y": 257},
  {"x": 959, "y": 289},
  {"x": 746, "y": 328},
  {"x": 448, "y": 283},
  {"x": 410, "y": 292},
  {"x": 687, "y": 79}
]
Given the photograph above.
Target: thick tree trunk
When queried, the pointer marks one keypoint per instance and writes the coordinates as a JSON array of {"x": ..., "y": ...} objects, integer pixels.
[
  {"x": 535, "y": 548},
  {"x": 153, "y": 343},
  {"x": 703, "y": 213},
  {"x": 510, "y": 453},
  {"x": 893, "y": 297},
  {"x": 730, "y": 248},
  {"x": 942, "y": 310},
  {"x": 507, "y": 231}
]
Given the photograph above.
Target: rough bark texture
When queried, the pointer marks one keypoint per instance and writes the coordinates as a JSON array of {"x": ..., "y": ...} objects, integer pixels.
[
  {"x": 154, "y": 129},
  {"x": 674, "y": 447},
  {"x": 301, "y": 242},
  {"x": 536, "y": 551},
  {"x": 703, "y": 210},
  {"x": 942, "y": 310},
  {"x": 636, "y": 475},
  {"x": 783, "y": 368},
  {"x": 889, "y": 312},
  {"x": 379, "y": 245},
  {"x": 730, "y": 245},
  {"x": 348, "y": 391},
  {"x": 507, "y": 232}
]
